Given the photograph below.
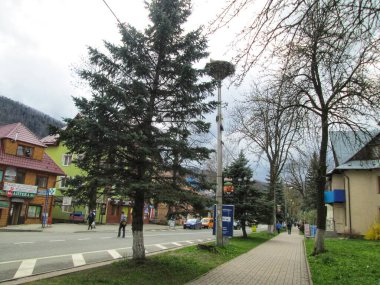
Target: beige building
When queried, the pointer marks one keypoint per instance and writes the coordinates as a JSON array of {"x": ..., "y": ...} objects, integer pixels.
[{"x": 353, "y": 194}]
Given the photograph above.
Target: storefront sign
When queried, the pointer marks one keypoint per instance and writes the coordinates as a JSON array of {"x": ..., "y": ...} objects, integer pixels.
[{"x": 20, "y": 190}]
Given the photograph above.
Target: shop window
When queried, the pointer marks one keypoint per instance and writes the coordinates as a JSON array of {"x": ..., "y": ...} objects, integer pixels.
[
  {"x": 41, "y": 182},
  {"x": 20, "y": 177},
  {"x": 25, "y": 151},
  {"x": 67, "y": 159},
  {"x": 10, "y": 174},
  {"x": 34, "y": 211}
]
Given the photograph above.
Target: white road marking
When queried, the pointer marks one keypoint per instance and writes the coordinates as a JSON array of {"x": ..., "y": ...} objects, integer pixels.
[
  {"x": 78, "y": 260},
  {"x": 114, "y": 254},
  {"x": 161, "y": 246},
  {"x": 189, "y": 241},
  {"x": 176, "y": 243},
  {"x": 56, "y": 240},
  {"x": 23, "y": 242},
  {"x": 105, "y": 237},
  {"x": 200, "y": 240},
  {"x": 83, "y": 238},
  {"x": 26, "y": 268}
]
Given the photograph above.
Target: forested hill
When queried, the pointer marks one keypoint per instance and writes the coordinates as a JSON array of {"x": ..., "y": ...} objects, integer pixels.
[{"x": 14, "y": 112}]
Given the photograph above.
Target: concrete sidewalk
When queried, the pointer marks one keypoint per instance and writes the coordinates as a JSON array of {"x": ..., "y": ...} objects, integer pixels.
[{"x": 281, "y": 260}]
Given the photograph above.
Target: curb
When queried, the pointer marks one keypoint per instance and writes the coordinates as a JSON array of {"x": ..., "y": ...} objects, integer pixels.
[{"x": 307, "y": 263}]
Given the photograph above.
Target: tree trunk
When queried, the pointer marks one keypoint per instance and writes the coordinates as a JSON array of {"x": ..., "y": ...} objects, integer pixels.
[
  {"x": 242, "y": 224},
  {"x": 137, "y": 227},
  {"x": 319, "y": 244}
]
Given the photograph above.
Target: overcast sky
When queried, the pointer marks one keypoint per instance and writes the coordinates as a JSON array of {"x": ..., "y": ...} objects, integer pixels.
[{"x": 41, "y": 41}]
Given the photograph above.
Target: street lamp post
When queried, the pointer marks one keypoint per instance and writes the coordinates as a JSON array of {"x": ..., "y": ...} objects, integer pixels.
[{"x": 219, "y": 70}]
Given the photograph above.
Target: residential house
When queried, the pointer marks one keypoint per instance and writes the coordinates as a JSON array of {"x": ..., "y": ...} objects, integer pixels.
[
  {"x": 353, "y": 195},
  {"x": 27, "y": 177},
  {"x": 108, "y": 208}
]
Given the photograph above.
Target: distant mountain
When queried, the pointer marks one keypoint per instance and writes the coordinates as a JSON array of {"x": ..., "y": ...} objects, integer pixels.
[{"x": 14, "y": 112}]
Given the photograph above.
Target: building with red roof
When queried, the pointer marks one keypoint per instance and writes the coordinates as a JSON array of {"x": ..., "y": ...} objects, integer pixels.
[{"x": 27, "y": 177}]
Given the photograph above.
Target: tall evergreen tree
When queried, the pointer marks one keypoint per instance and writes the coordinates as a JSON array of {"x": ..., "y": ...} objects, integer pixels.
[
  {"x": 250, "y": 203},
  {"x": 310, "y": 197},
  {"x": 147, "y": 101}
]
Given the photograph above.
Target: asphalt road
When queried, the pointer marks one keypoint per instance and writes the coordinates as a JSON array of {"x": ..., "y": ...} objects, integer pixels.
[{"x": 29, "y": 253}]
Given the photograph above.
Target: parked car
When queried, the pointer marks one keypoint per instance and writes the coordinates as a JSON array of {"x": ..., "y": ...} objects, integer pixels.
[
  {"x": 77, "y": 217},
  {"x": 207, "y": 223},
  {"x": 192, "y": 224}
]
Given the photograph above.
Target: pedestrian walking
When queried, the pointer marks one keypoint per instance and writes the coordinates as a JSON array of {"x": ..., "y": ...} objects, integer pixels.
[
  {"x": 94, "y": 216},
  {"x": 123, "y": 223},
  {"x": 278, "y": 227},
  {"x": 289, "y": 227},
  {"x": 90, "y": 220}
]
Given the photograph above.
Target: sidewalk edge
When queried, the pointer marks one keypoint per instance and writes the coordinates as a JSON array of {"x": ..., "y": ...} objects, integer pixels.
[{"x": 307, "y": 263}]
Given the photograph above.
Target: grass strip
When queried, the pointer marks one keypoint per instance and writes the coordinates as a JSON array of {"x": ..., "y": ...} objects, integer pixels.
[
  {"x": 173, "y": 267},
  {"x": 346, "y": 262}
]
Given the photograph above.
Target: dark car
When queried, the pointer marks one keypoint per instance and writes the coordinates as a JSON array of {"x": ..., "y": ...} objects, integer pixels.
[
  {"x": 76, "y": 217},
  {"x": 192, "y": 224}
]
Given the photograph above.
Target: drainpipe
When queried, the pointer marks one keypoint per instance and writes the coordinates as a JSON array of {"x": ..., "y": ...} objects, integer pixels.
[{"x": 349, "y": 201}]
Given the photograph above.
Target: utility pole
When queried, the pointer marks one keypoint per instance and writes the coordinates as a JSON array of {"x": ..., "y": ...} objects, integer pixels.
[{"x": 219, "y": 70}]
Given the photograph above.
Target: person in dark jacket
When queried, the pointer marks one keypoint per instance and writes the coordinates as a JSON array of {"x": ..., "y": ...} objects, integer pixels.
[
  {"x": 289, "y": 227},
  {"x": 90, "y": 220},
  {"x": 123, "y": 223}
]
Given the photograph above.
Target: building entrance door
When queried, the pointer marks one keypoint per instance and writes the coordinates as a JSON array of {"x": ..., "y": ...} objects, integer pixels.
[{"x": 14, "y": 214}]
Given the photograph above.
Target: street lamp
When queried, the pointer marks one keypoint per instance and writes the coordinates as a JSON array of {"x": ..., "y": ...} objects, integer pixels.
[{"x": 219, "y": 70}]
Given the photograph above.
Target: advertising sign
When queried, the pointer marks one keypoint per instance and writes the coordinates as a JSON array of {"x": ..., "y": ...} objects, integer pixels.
[
  {"x": 20, "y": 190},
  {"x": 227, "y": 220}
]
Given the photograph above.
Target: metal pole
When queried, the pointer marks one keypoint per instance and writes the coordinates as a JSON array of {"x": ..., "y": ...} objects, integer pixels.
[{"x": 219, "y": 179}]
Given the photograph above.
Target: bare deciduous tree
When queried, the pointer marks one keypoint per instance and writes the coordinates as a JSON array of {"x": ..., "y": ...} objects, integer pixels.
[
  {"x": 331, "y": 54},
  {"x": 268, "y": 130}
]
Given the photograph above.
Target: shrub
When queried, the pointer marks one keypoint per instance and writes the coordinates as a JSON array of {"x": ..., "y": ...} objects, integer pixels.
[{"x": 373, "y": 233}]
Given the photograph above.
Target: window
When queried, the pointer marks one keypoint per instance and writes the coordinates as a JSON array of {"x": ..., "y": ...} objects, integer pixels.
[
  {"x": 67, "y": 208},
  {"x": 66, "y": 159},
  {"x": 20, "y": 176},
  {"x": 34, "y": 211},
  {"x": 24, "y": 151},
  {"x": 41, "y": 182},
  {"x": 64, "y": 182}
]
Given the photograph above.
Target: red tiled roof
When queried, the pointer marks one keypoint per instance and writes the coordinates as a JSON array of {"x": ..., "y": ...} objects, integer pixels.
[
  {"x": 50, "y": 140},
  {"x": 19, "y": 132},
  {"x": 44, "y": 165}
]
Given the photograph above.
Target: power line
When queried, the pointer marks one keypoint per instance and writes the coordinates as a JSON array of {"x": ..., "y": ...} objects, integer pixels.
[{"x": 104, "y": 1}]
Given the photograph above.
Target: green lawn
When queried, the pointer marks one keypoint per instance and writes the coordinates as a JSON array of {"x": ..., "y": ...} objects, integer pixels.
[
  {"x": 174, "y": 267},
  {"x": 347, "y": 261}
]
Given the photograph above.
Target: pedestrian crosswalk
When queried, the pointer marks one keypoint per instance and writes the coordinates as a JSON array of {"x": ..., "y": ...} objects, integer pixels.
[{"x": 23, "y": 268}]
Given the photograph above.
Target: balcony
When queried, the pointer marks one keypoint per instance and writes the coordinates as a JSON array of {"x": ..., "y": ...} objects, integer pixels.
[{"x": 335, "y": 196}]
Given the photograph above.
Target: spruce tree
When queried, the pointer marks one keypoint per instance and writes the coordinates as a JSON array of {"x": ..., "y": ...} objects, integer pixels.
[
  {"x": 250, "y": 203},
  {"x": 147, "y": 101}
]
